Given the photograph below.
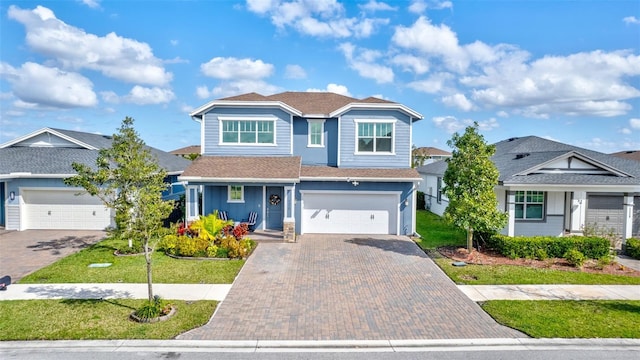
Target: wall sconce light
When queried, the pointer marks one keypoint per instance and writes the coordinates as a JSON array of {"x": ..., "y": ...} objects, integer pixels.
[
  {"x": 355, "y": 183},
  {"x": 12, "y": 195},
  {"x": 406, "y": 202}
]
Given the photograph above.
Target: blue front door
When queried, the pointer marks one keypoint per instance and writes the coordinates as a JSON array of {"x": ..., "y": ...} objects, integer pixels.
[{"x": 275, "y": 203}]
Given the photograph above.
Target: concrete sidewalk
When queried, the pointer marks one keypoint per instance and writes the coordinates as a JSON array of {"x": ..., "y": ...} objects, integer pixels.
[
  {"x": 115, "y": 291},
  {"x": 218, "y": 292}
]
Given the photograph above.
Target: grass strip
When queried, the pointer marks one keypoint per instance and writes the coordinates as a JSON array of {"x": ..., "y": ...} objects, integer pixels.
[
  {"x": 95, "y": 319},
  {"x": 569, "y": 319},
  {"x": 132, "y": 269}
]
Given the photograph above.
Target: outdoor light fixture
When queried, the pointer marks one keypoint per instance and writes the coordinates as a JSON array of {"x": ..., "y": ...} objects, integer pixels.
[
  {"x": 355, "y": 183},
  {"x": 12, "y": 195},
  {"x": 406, "y": 202}
]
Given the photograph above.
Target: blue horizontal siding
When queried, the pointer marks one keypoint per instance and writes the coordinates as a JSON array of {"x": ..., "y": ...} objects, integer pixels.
[
  {"x": 211, "y": 130},
  {"x": 326, "y": 155}
]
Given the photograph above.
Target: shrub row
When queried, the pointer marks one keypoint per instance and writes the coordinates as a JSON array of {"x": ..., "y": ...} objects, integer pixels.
[
  {"x": 537, "y": 247},
  {"x": 632, "y": 248}
]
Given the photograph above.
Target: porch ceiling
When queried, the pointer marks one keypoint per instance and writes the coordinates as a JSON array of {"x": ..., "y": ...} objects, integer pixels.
[{"x": 284, "y": 169}]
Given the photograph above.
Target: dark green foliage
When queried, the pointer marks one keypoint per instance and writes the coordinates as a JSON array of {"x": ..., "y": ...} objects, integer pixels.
[
  {"x": 554, "y": 247},
  {"x": 574, "y": 257},
  {"x": 420, "y": 202},
  {"x": 632, "y": 248}
]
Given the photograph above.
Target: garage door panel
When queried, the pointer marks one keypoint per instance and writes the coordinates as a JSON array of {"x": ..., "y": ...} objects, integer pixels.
[
  {"x": 605, "y": 212},
  {"x": 64, "y": 210},
  {"x": 341, "y": 213}
]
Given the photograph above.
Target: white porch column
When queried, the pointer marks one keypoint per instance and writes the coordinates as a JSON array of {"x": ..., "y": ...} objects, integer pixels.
[
  {"x": 289, "y": 226},
  {"x": 511, "y": 210},
  {"x": 578, "y": 211},
  {"x": 627, "y": 221}
]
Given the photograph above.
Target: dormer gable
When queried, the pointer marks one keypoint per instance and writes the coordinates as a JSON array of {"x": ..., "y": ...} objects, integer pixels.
[
  {"x": 48, "y": 138},
  {"x": 571, "y": 162}
]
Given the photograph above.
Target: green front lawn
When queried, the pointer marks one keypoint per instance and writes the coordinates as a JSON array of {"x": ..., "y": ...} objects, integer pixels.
[
  {"x": 94, "y": 319},
  {"x": 569, "y": 319},
  {"x": 436, "y": 232},
  {"x": 132, "y": 269}
]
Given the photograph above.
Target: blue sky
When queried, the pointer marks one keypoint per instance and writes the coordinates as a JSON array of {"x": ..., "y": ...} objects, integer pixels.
[{"x": 563, "y": 70}]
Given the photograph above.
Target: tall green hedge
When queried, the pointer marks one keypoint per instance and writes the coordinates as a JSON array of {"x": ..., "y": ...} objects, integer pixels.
[{"x": 532, "y": 247}]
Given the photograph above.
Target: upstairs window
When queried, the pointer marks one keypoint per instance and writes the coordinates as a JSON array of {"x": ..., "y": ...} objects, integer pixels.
[
  {"x": 374, "y": 137},
  {"x": 316, "y": 133},
  {"x": 529, "y": 205},
  {"x": 248, "y": 131}
]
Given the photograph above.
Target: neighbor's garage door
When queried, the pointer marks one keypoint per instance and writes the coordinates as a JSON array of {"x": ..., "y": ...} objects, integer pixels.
[
  {"x": 350, "y": 213},
  {"x": 62, "y": 209},
  {"x": 605, "y": 211}
]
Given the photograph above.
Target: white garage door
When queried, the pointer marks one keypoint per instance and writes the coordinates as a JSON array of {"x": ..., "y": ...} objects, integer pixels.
[
  {"x": 605, "y": 211},
  {"x": 350, "y": 213},
  {"x": 63, "y": 209}
]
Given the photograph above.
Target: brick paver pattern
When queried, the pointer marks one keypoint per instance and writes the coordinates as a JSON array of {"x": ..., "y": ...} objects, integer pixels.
[{"x": 340, "y": 287}]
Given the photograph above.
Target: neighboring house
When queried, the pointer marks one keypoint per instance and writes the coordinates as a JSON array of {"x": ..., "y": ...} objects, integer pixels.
[
  {"x": 32, "y": 169},
  {"x": 307, "y": 162},
  {"x": 550, "y": 188},
  {"x": 427, "y": 155},
  {"x": 188, "y": 152},
  {"x": 629, "y": 154}
]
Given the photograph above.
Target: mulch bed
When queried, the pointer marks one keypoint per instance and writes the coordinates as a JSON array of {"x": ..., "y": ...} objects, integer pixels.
[{"x": 488, "y": 257}]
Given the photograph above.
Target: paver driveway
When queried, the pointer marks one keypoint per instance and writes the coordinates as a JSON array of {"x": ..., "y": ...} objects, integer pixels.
[
  {"x": 339, "y": 287},
  {"x": 23, "y": 252}
]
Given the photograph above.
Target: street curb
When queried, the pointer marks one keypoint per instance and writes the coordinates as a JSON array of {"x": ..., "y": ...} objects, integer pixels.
[{"x": 321, "y": 345}]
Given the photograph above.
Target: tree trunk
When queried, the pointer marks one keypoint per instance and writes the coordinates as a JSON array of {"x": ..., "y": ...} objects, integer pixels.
[
  {"x": 470, "y": 240},
  {"x": 147, "y": 256}
]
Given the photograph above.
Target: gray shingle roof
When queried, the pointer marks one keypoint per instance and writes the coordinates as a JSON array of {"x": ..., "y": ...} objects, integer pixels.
[
  {"x": 535, "y": 151},
  {"x": 58, "y": 160}
]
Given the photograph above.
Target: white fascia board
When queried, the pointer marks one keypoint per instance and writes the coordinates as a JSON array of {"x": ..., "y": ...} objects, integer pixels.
[
  {"x": 362, "y": 179},
  {"x": 248, "y": 104},
  {"x": 571, "y": 187},
  {"x": 53, "y": 132},
  {"x": 35, "y": 176},
  {"x": 377, "y": 106},
  {"x": 235, "y": 180},
  {"x": 580, "y": 156}
]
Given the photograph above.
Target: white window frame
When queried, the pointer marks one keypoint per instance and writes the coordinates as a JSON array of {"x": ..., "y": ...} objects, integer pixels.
[
  {"x": 524, "y": 204},
  {"x": 310, "y": 122},
  {"x": 229, "y": 199},
  {"x": 375, "y": 121},
  {"x": 222, "y": 119}
]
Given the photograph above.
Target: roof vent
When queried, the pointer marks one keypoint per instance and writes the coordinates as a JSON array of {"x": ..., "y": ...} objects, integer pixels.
[
  {"x": 511, "y": 139},
  {"x": 522, "y": 155}
]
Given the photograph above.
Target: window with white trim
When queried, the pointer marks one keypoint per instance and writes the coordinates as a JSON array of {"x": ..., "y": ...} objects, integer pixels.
[
  {"x": 374, "y": 137},
  {"x": 248, "y": 131},
  {"x": 235, "y": 193},
  {"x": 529, "y": 205},
  {"x": 316, "y": 133}
]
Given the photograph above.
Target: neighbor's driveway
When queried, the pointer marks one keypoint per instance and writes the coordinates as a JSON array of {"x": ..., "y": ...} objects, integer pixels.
[
  {"x": 23, "y": 252},
  {"x": 339, "y": 287}
]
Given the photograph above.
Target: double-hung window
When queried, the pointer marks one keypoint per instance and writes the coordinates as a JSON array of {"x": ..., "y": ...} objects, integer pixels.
[
  {"x": 529, "y": 205},
  {"x": 235, "y": 193},
  {"x": 236, "y": 131},
  {"x": 316, "y": 132},
  {"x": 374, "y": 136}
]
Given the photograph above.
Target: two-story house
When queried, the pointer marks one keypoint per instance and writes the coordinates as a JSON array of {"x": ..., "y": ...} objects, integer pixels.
[{"x": 306, "y": 162}]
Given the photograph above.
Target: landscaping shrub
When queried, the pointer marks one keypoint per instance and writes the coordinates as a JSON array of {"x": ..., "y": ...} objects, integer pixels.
[
  {"x": 632, "y": 248},
  {"x": 575, "y": 258},
  {"x": 536, "y": 247}
]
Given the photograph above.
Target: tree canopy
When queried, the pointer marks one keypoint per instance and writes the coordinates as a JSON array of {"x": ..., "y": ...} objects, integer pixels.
[{"x": 469, "y": 182}]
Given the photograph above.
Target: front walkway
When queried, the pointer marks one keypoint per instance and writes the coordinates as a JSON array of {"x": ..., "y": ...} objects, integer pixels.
[{"x": 334, "y": 287}]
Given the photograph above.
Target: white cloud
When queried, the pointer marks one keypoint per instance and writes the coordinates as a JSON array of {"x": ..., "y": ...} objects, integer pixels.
[
  {"x": 374, "y": 5},
  {"x": 451, "y": 124},
  {"x": 415, "y": 64},
  {"x": 363, "y": 61},
  {"x": 203, "y": 92},
  {"x": 634, "y": 123},
  {"x": 72, "y": 48},
  {"x": 294, "y": 72},
  {"x": 625, "y": 131},
  {"x": 334, "y": 88},
  {"x": 144, "y": 96},
  {"x": 459, "y": 101},
  {"x": 434, "y": 84},
  {"x": 631, "y": 20},
  {"x": 418, "y": 6},
  {"x": 233, "y": 68},
  {"x": 319, "y": 18},
  {"x": 40, "y": 86},
  {"x": 94, "y": 4},
  {"x": 236, "y": 87}
]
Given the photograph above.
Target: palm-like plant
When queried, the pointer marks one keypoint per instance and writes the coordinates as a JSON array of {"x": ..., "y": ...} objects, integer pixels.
[{"x": 210, "y": 226}]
